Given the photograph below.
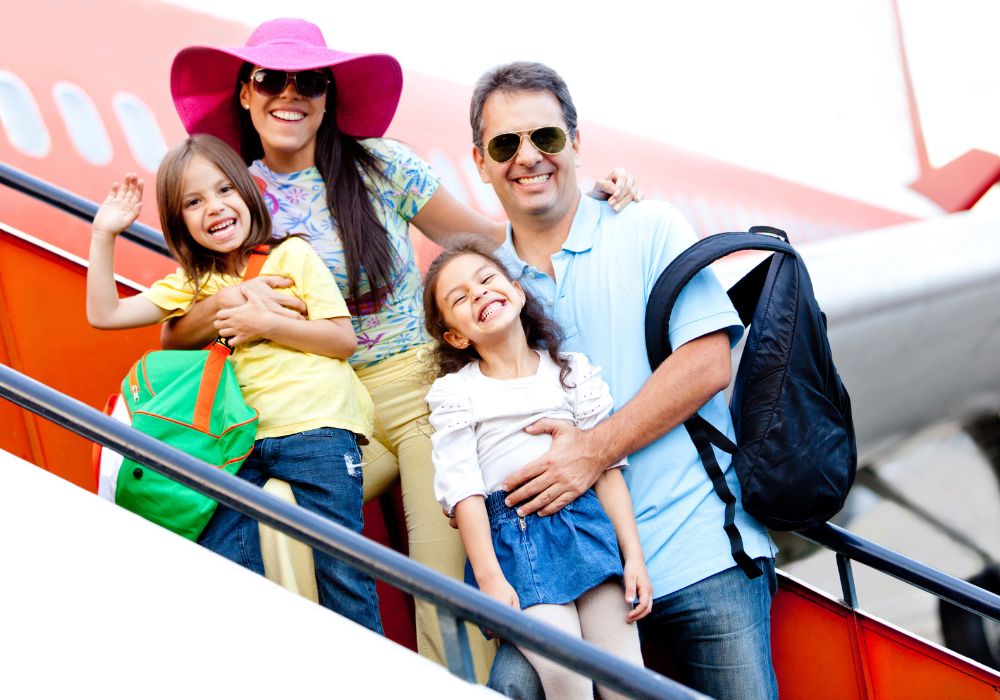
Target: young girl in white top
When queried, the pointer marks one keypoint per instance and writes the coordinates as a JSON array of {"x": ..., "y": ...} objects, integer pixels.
[
  {"x": 312, "y": 407},
  {"x": 500, "y": 371}
]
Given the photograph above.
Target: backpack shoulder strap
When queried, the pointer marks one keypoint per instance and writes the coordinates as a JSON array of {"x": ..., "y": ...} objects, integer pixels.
[
  {"x": 692, "y": 261},
  {"x": 744, "y": 295},
  {"x": 258, "y": 256}
]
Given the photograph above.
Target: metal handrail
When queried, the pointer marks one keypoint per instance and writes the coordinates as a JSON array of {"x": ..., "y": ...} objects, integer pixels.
[
  {"x": 77, "y": 206},
  {"x": 461, "y": 601},
  {"x": 954, "y": 590}
]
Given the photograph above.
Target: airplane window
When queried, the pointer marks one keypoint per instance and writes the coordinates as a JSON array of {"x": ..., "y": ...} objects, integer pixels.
[
  {"x": 83, "y": 123},
  {"x": 141, "y": 130},
  {"x": 20, "y": 117}
]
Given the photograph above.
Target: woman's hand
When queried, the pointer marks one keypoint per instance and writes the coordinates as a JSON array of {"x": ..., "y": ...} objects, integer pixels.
[
  {"x": 120, "y": 208},
  {"x": 619, "y": 188},
  {"x": 637, "y": 586},
  {"x": 247, "y": 322},
  {"x": 264, "y": 287},
  {"x": 286, "y": 305}
]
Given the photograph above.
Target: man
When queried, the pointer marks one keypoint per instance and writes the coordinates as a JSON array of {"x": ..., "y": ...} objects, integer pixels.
[{"x": 594, "y": 270}]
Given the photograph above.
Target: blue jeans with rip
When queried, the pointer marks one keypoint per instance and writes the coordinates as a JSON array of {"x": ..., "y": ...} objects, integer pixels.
[
  {"x": 717, "y": 633},
  {"x": 323, "y": 468}
]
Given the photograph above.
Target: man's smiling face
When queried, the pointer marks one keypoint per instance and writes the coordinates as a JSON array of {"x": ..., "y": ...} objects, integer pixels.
[{"x": 531, "y": 183}]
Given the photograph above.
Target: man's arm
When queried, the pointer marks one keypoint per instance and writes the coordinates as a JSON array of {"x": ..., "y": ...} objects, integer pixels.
[{"x": 692, "y": 375}]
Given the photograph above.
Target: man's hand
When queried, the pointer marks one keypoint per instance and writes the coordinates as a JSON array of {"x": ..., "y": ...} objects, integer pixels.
[{"x": 570, "y": 467}]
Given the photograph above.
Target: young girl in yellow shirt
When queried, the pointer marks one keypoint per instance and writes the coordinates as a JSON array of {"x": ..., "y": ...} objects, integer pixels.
[{"x": 313, "y": 409}]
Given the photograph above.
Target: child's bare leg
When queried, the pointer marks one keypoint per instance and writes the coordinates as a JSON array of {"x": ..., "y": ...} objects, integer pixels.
[
  {"x": 602, "y": 612},
  {"x": 558, "y": 681}
]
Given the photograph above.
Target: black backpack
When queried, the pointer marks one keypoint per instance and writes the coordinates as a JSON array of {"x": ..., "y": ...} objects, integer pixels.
[{"x": 795, "y": 453}]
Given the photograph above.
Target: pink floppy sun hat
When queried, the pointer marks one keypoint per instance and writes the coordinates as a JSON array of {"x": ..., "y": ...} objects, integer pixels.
[{"x": 203, "y": 80}]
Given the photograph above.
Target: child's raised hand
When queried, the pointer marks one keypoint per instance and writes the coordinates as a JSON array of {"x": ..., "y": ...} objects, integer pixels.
[
  {"x": 121, "y": 207},
  {"x": 637, "y": 585}
]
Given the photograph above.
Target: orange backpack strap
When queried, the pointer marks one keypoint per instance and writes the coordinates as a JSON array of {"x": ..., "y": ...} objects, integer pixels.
[
  {"x": 207, "y": 390},
  {"x": 258, "y": 256}
]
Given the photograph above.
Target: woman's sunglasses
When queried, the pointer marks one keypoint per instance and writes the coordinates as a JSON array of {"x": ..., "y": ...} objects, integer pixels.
[
  {"x": 271, "y": 82},
  {"x": 547, "y": 139}
]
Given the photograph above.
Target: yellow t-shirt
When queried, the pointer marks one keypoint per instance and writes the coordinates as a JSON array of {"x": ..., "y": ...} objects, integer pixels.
[{"x": 293, "y": 391}]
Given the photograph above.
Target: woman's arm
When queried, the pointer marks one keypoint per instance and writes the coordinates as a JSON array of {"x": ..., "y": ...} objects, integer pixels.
[
  {"x": 613, "y": 495},
  {"x": 474, "y": 527},
  {"x": 104, "y": 309},
  {"x": 443, "y": 215},
  {"x": 196, "y": 328},
  {"x": 253, "y": 320}
]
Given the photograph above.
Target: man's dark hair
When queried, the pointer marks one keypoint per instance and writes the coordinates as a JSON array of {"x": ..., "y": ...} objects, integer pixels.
[{"x": 513, "y": 77}]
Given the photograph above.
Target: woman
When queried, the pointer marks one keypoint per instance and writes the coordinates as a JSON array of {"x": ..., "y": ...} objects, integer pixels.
[{"x": 296, "y": 110}]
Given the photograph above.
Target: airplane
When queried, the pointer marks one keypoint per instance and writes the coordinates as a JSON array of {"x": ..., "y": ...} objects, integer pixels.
[{"x": 79, "y": 117}]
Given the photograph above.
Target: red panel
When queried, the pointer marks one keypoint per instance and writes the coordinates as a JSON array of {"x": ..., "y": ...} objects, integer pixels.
[
  {"x": 47, "y": 337},
  {"x": 815, "y": 654},
  {"x": 822, "y": 650},
  {"x": 961, "y": 183},
  {"x": 905, "y": 668}
]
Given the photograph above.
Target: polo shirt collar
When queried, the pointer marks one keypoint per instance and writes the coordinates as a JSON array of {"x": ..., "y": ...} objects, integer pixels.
[
  {"x": 581, "y": 232},
  {"x": 584, "y": 227}
]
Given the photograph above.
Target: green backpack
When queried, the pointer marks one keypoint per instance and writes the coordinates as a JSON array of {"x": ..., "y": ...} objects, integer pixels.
[{"x": 191, "y": 400}]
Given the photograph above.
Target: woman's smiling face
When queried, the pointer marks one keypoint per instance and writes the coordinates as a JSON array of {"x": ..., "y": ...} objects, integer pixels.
[{"x": 287, "y": 125}]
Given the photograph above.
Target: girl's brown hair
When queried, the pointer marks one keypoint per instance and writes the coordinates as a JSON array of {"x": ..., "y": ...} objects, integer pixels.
[
  {"x": 340, "y": 159},
  {"x": 542, "y": 332},
  {"x": 193, "y": 258}
]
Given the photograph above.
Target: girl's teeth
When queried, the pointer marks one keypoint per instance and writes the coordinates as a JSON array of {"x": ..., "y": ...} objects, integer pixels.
[
  {"x": 221, "y": 226},
  {"x": 491, "y": 309},
  {"x": 288, "y": 116}
]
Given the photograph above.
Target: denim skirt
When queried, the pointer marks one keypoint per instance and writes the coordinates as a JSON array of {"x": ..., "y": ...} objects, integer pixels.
[{"x": 553, "y": 559}]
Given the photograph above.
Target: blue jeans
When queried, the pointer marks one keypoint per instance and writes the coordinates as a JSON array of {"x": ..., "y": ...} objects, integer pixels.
[
  {"x": 716, "y": 632},
  {"x": 323, "y": 468}
]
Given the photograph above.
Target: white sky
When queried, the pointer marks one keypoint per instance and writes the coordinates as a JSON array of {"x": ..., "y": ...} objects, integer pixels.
[{"x": 809, "y": 91}]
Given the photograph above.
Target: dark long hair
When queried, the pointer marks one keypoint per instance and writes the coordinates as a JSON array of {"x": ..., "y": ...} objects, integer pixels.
[
  {"x": 194, "y": 259},
  {"x": 340, "y": 160},
  {"x": 542, "y": 332}
]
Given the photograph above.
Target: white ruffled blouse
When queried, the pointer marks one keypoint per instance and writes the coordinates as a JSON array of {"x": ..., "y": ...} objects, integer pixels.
[{"x": 479, "y": 422}]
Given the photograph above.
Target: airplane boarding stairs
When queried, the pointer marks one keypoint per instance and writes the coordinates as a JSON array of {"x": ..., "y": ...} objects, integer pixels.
[{"x": 823, "y": 648}]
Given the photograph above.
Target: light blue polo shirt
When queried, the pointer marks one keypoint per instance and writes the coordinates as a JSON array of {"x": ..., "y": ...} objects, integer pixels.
[{"x": 604, "y": 275}]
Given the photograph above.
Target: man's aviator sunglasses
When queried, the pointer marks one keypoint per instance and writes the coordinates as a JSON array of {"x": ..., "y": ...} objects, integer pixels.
[
  {"x": 547, "y": 139},
  {"x": 271, "y": 82}
]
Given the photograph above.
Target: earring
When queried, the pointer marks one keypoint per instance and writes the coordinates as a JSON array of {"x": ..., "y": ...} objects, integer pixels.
[{"x": 246, "y": 105}]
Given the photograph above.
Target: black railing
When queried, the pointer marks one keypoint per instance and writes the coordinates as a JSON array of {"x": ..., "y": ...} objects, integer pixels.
[
  {"x": 849, "y": 546},
  {"x": 456, "y": 601},
  {"x": 77, "y": 206}
]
